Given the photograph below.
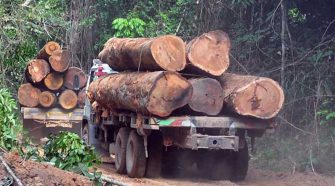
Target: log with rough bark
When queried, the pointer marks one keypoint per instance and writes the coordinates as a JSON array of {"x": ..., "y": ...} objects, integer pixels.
[
  {"x": 47, "y": 50},
  {"x": 54, "y": 81},
  {"x": 28, "y": 95},
  {"x": 60, "y": 60},
  {"x": 36, "y": 70},
  {"x": 258, "y": 97},
  {"x": 208, "y": 53},
  {"x": 207, "y": 96},
  {"x": 161, "y": 53},
  {"x": 47, "y": 99},
  {"x": 68, "y": 99},
  {"x": 74, "y": 78},
  {"x": 157, "y": 93}
]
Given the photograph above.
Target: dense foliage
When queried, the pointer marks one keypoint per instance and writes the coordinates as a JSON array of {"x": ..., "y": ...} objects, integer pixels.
[{"x": 290, "y": 41}]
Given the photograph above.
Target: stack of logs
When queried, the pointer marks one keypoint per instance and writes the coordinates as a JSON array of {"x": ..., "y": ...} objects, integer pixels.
[
  {"x": 50, "y": 80},
  {"x": 163, "y": 76}
]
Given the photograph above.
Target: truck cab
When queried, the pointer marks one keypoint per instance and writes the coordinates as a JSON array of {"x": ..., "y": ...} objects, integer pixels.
[{"x": 149, "y": 145}]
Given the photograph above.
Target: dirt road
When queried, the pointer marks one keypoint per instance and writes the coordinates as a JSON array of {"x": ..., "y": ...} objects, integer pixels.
[{"x": 255, "y": 177}]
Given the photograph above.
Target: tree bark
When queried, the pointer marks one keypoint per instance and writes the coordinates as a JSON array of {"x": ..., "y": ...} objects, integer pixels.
[
  {"x": 60, "y": 60},
  {"x": 28, "y": 95},
  {"x": 68, "y": 99},
  {"x": 207, "y": 96},
  {"x": 47, "y": 99},
  {"x": 161, "y": 53},
  {"x": 208, "y": 53},
  {"x": 74, "y": 78},
  {"x": 157, "y": 93},
  {"x": 36, "y": 70},
  {"x": 47, "y": 50},
  {"x": 54, "y": 81},
  {"x": 259, "y": 97}
]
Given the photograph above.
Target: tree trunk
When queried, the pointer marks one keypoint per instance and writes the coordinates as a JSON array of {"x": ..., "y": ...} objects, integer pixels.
[
  {"x": 36, "y": 70},
  {"x": 47, "y": 50},
  {"x": 208, "y": 53},
  {"x": 157, "y": 93},
  {"x": 47, "y": 99},
  {"x": 161, "y": 53},
  {"x": 68, "y": 99},
  {"x": 60, "y": 60},
  {"x": 81, "y": 98},
  {"x": 207, "y": 96},
  {"x": 54, "y": 81},
  {"x": 259, "y": 97},
  {"x": 28, "y": 95},
  {"x": 75, "y": 78}
]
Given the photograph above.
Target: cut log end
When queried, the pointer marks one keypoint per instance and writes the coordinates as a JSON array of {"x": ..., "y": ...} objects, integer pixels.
[
  {"x": 68, "y": 99},
  {"x": 60, "y": 60},
  {"x": 210, "y": 52},
  {"x": 54, "y": 81},
  {"x": 74, "y": 78},
  {"x": 207, "y": 96},
  {"x": 28, "y": 95},
  {"x": 47, "y": 99},
  {"x": 262, "y": 99},
  {"x": 51, "y": 46},
  {"x": 36, "y": 70},
  {"x": 169, "y": 52},
  {"x": 170, "y": 92}
]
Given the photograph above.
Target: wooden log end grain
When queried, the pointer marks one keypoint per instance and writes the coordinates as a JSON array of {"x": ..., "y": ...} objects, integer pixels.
[
  {"x": 68, "y": 99},
  {"x": 48, "y": 49},
  {"x": 169, "y": 52},
  {"x": 47, "y": 99},
  {"x": 60, "y": 60},
  {"x": 259, "y": 97},
  {"x": 210, "y": 52},
  {"x": 28, "y": 95},
  {"x": 54, "y": 81},
  {"x": 37, "y": 70},
  {"x": 207, "y": 96},
  {"x": 74, "y": 75},
  {"x": 171, "y": 91}
]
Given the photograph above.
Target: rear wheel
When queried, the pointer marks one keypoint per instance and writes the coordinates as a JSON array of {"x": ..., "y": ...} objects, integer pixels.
[
  {"x": 154, "y": 161},
  {"x": 85, "y": 134},
  {"x": 240, "y": 163},
  {"x": 120, "y": 150},
  {"x": 135, "y": 156}
]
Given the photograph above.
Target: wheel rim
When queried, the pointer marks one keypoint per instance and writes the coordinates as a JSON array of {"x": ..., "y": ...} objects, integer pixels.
[{"x": 130, "y": 156}]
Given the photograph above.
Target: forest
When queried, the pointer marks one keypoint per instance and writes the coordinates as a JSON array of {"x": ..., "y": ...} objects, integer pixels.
[{"x": 292, "y": 42}]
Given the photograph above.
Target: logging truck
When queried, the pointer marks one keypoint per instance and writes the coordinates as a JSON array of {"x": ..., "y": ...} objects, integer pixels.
[{"x": 145, "y": 145}]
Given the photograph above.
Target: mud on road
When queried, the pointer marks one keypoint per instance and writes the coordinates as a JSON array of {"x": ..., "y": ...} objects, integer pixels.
[{"x": 255, "y": 177}]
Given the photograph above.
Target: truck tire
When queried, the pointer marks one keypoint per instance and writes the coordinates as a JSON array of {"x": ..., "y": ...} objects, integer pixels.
[
  {"x": 240, "y": 163},
  {"x": 120, "y": 150},
  {"x": 85, "y": 133},
  {"x": 154, "y": 161},
  {"x": 135, "y": 156}
]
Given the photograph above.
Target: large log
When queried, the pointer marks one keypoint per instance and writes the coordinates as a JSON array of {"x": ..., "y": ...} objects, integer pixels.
[
  {"x": 259, "y": 97},
  {"x": 68, "y": 99},
  {"x": 74, "y": 78},
  {"x": 157, "y": 93},
  {"x": 36, "y": 70},
  {"x": 47, "y": 50},
  {"x": 28, "y": 95},
  {"x": 207, "y": 96},
  {"x": 54, "y": 81},
  {"x": 47, "y": 99},
  {"x": 208, "y": 53},
  {"x": 161, "y": 53},
  {"x": 60, "y": 60}
]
